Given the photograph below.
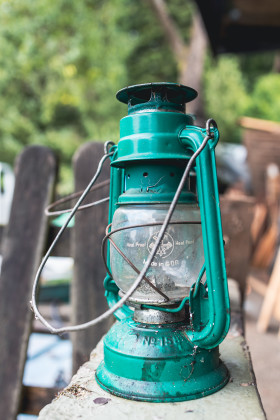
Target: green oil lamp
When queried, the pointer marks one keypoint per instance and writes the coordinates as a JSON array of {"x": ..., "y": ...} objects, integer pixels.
[
  {"x": 165, "y": 346},
  {"x": 166, "y": 278}
]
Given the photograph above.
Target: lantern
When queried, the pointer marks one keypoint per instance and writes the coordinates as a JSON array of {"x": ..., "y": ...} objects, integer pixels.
[
  {"x": 165, "y": 346},
  {"x": 166, "y": 279}
]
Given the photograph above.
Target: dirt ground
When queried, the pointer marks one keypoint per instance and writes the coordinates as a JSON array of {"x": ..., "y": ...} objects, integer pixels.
[{"x": 265, "y": 352}]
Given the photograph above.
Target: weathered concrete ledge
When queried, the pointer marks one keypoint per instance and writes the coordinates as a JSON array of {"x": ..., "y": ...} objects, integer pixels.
[{"x": 238, "y": 400}]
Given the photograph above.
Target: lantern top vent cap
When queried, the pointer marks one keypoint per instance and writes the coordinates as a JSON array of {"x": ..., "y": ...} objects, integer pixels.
[{"x": 157, "y": 96}]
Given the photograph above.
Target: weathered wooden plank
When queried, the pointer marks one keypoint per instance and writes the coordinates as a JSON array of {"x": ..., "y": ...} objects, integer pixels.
[
  {"x": 259, "y": 286},
  {"x": 263, "y": 148},
  {"x": 62, "y": 248},
  {"x": 258, "y": 124},
  {"x": 259, "y": 222},
  {"x": 265, "y": 249},
  {"x": 35, "y": 398},
  {"x": 62, "y": 314},
  {"x": 22, "y": 248},
  {"x": 237, "y": 216},
  {"x": 87, "y": 289},
  {"x": 1, "y": 237},
  {"x": 271, "y": 296}
]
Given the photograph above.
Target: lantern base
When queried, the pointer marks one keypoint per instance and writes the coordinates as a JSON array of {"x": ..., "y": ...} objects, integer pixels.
[{"x": 157, "y": 363}]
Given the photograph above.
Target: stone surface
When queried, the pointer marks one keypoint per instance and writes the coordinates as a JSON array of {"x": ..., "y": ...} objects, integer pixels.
[{"x": 238, "y": 400}]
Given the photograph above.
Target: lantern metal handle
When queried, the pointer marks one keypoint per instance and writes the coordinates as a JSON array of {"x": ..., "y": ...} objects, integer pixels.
[{"x": 217, "y": 305}]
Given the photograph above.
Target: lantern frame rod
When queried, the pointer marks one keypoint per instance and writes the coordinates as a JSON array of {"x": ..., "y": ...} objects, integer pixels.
[{"x": 165, "y": 297}]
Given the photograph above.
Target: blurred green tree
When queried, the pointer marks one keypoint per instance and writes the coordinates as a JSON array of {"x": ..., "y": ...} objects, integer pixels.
[
  {"x": 265, "y": 98},
  {"x": 152, "y": 59},
  {"x": 61, "y": 63},
  {"x": 255, "y": 65},
  {"x": 226, "y": 97}
]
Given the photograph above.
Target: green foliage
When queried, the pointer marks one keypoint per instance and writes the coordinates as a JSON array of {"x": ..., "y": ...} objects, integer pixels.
[
  {"x": 152, "y": 60},
  {"x": 255, "y": 65},
  {"x": 226, "y": 98},
  {"x": 61, "y": 63},
  {"x": 265, "y": 99}
]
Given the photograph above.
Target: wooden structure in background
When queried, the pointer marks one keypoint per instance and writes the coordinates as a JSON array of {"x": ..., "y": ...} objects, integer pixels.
[
  {"x": 237, "y": 215},
  {"x": 268, "y": 214},
  {"x": 267, "y": 249},
  {"x": 24, "y": 242},
  {"x": 87, "y": 291},
  {"x": 262, "y": 140},
  {"x": 22, "y": 250},
  {"x": 271, "y": 294}
]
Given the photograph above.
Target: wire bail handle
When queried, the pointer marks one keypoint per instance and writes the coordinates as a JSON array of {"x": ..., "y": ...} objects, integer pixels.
[{"x": 108, "y": 153}]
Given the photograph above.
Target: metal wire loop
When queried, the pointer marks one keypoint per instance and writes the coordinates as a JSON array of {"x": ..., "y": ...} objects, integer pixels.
[
  {"x": 209, "y": 123},
  {"x": 165, "y": 297},
  {"x": 106, "y": 146},
  {"x": 49, "y": 209}
]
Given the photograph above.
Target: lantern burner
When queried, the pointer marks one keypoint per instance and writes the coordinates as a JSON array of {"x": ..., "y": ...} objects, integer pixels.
[
  {"x": 164, "y": 97},
  {"x": 153, "y": 316}
]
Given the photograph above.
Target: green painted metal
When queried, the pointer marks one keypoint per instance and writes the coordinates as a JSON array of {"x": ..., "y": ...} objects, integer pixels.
[
  {"x": 160, "y": 96},
  {"x": 111, "y": 289},
  {"x": 156, "y": 142},
  {"x": 218, "y": 321},
  {"x": 145, "y": 183},
  {"x": 158, "y": 364},
  {"x": 152, "y": 136}
]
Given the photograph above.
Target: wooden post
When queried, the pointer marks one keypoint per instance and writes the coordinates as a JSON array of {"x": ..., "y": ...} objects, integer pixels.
[
  {"x": 22, "y": 250},
  {"x": 34, "y": 398},
  {"x": 237, "y": 216},
  {"x": 87, "y": 291},
  {"x": 271, "y": 296}
]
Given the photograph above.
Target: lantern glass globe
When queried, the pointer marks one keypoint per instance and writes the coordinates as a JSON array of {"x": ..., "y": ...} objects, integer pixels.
[{"x": 179, "y": 257}]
